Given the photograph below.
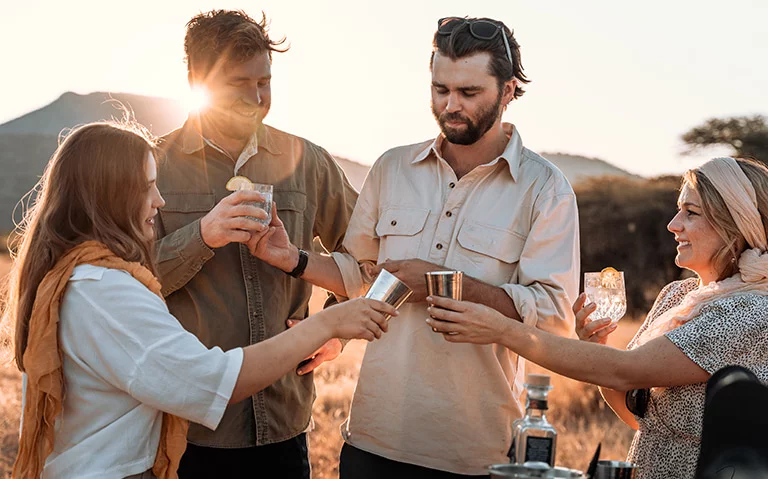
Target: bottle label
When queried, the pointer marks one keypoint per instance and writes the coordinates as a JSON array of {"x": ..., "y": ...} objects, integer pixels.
[{"x": 539, "y": 449}]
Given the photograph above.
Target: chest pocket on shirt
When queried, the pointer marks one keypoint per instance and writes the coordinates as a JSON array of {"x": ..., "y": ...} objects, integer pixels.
[
  {"x": 489, "y": 251},
  {"x": 399, "y": 228},
  {"x": 182, "y": 209},
  {"x": 290, "y": 210}
]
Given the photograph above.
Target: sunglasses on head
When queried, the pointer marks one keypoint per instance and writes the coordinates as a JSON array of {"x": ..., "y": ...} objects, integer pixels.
[
  {"x": 637, "y": 400},
  {"x": 480, "y": 29}
]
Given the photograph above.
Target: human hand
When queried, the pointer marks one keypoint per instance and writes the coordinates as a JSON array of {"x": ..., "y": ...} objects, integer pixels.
[
  {"x": 327, "y": 352},
  {"x": 466, "y": 322},
  {"x": 228, "y": 221},
  {"x": 411, "y": 272},
  {"x": 274, "y": 247},
  {"x": 594, "y": 331},
  {"x": 359, "y": 318}
]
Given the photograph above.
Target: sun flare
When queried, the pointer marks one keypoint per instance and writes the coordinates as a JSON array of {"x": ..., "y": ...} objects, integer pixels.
[{"x": 196, "y": 99}]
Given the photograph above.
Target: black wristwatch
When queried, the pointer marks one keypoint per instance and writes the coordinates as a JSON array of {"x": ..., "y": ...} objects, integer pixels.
[{"x": 303, "y": 260}]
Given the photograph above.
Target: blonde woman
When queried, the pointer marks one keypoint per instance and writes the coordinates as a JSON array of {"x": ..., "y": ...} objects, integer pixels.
[
  {"x": 696, "y": 326},
  {"x": 111, "y": 378}
]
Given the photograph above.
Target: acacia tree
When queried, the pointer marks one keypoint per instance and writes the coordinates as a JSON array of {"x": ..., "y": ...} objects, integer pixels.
[{"x": 747, "y": 135}]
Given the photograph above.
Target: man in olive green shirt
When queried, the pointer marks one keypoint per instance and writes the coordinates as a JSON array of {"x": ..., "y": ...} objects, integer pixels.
[{"x": 212, "y": 283}]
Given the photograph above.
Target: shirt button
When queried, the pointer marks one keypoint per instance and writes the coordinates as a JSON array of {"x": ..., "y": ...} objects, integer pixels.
[
  {"x": 439, "y": 246},
  {"x": 451, "y": 184},
  {"x": 448, "y": 214},
  {"x": 393, "y": 223}
]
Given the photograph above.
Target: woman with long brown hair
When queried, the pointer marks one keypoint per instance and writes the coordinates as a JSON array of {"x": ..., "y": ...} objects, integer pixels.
[
  {"x": 696, "y": 327},
  {"x": 111, "y": 378}
]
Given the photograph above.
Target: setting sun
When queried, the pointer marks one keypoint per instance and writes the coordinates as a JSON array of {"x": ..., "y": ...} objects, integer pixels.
[{"x": 196, "y": 99}]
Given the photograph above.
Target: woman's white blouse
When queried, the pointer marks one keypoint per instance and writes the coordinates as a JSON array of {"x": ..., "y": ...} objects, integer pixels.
[{"x": 126, "y": 361}]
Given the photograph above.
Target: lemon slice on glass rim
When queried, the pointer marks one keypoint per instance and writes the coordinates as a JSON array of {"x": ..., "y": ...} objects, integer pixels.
[
  {"x": 237, "y": 183},
  {"x": 608, "y": 277}
]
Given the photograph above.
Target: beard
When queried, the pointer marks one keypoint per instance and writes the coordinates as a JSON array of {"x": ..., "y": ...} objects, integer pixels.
[{"x": 475, "y": 129}]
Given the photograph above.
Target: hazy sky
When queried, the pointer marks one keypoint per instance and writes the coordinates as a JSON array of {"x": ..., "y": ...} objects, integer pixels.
[{"x": 616, "y": 80}]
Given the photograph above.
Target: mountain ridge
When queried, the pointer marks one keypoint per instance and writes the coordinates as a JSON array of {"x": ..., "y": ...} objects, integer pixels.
[{"x": 27, "y": 142}]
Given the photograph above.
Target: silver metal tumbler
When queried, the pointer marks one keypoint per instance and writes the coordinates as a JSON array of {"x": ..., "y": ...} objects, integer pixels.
[
  {"x": 616, "y": 470},
  {"x": 386, "y": 287},
  {"x": 447, "y": 284}
]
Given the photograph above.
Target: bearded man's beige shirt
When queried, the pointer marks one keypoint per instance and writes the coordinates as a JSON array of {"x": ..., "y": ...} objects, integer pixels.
[{"x": 512, "y": 223}]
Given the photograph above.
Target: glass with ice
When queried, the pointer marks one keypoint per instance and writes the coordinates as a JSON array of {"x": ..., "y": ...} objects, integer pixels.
[
  {"x": 606, "y": 290},
  {"x": 266, "y": 205},
  {"x": 237, "y": 183}
]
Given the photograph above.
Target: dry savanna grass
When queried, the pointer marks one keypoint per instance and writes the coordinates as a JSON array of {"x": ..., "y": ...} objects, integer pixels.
[
  {"x": 10, "y": 400},
  {"x": 576, "y": 409}
]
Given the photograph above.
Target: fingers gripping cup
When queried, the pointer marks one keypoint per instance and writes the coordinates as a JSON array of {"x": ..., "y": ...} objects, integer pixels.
[
  {"x": 237, "y": 183},
  {"x": 447, "y": 284},
  {"x": 386, "y": 287}
]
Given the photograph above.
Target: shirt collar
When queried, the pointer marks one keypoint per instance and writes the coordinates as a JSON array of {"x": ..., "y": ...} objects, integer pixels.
[
  {"x": 511, "y": 154},
  {"x": 193, "y": 140}
]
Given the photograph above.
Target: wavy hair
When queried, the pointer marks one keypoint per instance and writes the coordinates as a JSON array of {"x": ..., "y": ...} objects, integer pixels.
[
  {"x": 460, "y": 43},
  {"x": 218, "y": 36},
  {"x": 93, "y": 188}
]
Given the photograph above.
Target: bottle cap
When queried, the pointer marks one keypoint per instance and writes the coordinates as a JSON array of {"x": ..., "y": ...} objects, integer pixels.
[{"x": 540, "y": 380}]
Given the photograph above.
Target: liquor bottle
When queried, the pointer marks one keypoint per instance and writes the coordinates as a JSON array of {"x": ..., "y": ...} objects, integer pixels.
[
  {"x": 534, "y": 437},
  {"x": 515, "y": 428}
]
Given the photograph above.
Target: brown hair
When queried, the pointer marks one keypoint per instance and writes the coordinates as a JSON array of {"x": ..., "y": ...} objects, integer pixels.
[
  {"x": 726, "y": 260},
  {"x": 93, "y": 188},
  {"x": 225, "y": 35},
  {"x": 460, "y": 43}
]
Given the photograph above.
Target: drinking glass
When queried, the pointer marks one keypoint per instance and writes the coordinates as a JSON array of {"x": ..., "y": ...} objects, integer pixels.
[
  {"x": 266, "y": 205},
  {"x": 606, "y": 290}
]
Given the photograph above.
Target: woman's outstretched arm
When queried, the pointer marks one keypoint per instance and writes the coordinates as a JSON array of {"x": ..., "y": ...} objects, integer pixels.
[{"x": 658, "y": 363}]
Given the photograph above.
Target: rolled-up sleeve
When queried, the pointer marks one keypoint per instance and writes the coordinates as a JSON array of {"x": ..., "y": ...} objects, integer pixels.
[
  {"x": 125, "y": 335},
  {"x": 361, "y": 244},
  {"x": 548, "y": 274}
]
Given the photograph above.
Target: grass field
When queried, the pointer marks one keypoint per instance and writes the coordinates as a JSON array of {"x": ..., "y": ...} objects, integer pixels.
[{"x": 576, "y": 409}]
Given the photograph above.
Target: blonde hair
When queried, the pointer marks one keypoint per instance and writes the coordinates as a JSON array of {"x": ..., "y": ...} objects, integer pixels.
[
  {"x": 716, "y": 212},
  {"x": 93, "y": 188}
]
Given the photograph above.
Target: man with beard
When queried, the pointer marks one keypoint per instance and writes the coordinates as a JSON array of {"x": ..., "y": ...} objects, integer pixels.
[
  {"x": 475, "y": 200},
  {"x": 212, "y": 284}
]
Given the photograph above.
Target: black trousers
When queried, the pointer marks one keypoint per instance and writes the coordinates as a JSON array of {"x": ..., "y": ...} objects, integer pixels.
[
  {"x": 288, "y": 459},
  {"x": 355, "y": 463}
]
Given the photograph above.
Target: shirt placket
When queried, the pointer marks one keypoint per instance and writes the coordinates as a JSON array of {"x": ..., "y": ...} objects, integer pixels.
[
  {"x": 258, "y": 332},
  {"x": 453, "y": 198}
]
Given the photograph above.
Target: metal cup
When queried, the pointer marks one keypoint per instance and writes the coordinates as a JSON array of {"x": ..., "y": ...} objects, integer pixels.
[
  {"x": 616, "y": 470},
  {"x": 447, "y": 284},
  {"x": 532, "y": 470},
  {"x": 389, "y": 289}
]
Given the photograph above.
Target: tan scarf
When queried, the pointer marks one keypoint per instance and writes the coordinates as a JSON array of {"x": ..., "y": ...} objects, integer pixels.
[
  {"x": 739, "y": 195},
  {"x": 43, "y": 365}
]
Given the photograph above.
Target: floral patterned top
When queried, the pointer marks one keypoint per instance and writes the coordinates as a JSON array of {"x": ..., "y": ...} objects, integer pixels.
[{"x": 728, "y": 331}]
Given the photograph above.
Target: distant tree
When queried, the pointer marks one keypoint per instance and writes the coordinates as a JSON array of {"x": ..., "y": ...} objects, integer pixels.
[{"x": 747, "y": 135}]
